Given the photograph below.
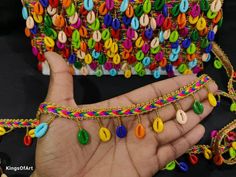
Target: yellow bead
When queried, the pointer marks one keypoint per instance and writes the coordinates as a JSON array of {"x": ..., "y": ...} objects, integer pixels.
[
  {"x": 88, "y": 59},
  {"x": 116, "y": 59},
  {"x": 108, "y": 43},
  {"x": 38, "y": 18},
  {"x": 187, "y": 72},
  {"x": 139, "y": 42},
  {"x": 212, "y": 100},
  {"x": 207, "y": 154},
  {"x": 31, "y": 133},
  {"x": 49, "y": 42},
  {"x": 158, "y": 125},
  {"x": 110, "y": 54},
  {"x": 193, "y": 20},
  {"x": 201, "y": 24},
  {"x": 104, "y": 134},
  {"x": 2, "y": 131},
  {"x": 234, "y": 145},
  {"x": 127, "y": 73},
  {"x": 114, "y": 47}
]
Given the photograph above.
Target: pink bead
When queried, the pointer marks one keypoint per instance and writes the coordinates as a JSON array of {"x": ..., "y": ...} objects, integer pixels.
[
  {"x": 108, "y": 66},
  {"x": 130, "y": 33},
  {"x": 159, "y": 56},
  {"x": 145, "y": 48},
  {"x": 60, "y": 45},
  {"x": 35, "y": 51},
  {"x": 214, "y": 133},
  {"x": 93, "y": 65}
]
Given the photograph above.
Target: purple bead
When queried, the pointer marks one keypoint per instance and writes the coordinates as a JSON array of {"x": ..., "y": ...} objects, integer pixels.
[
  {"x": 130, "y": 33},
  {"x": 60, "y": 45},
  {"x": 159, "y": 56},
  {"x": 145, "y": 48},
  {"x": 127, "y": 44},
  {"x": 196, "y": 70},
  {"x": 160, "y": 20},
  {"x": 116, "y": 67},
  {"x": 195, "y": 11},
  {"x": 108, "y": 66},
  {"x": 77, "y": 24},
  {"x": 183, "y": 32},
  {"x": 35, "y": 51},
  {"x": 93, "y": 65}
]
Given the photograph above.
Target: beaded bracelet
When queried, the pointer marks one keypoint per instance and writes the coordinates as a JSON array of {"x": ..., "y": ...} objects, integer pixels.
[{"x": 124, "y": 36}]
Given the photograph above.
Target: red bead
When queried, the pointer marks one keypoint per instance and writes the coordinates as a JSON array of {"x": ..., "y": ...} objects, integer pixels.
[
  {"x": 193, "y": 159},
  {"x": 178, "y": 62},
  {"x": 41, "y": 57},
  {"x": 54, "y": 3},
  {"x": 27, "y": 140},
  {"x": 66, "y": 53},
  {"x": 218, "y": 160},
  {"x": 115, "y": 33},
  {"x": 153, "y": 66},
  {"x": 98, "y": 47},
  {"x": 83, "y": 11},
  {"x": 68, "y": 31},
  {"x": 131, "y": 59},
  {"x": 40, "y": 67},
  {"x": 167, "y": 24}
]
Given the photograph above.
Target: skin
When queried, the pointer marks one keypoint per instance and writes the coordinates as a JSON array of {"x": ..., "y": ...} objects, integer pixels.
[{"x": 58, "y": 153}]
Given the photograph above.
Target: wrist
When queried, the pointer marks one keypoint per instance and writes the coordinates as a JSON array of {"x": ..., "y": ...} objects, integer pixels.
[{"x": 34, "y": 174}]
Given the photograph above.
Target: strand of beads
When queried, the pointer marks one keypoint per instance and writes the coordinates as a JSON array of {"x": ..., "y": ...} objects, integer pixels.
[
  {"x": 124, "y": 37},
  {"x": 119, "y": 114}
]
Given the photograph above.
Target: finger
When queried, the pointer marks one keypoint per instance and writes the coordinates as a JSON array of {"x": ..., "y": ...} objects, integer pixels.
[
  {"x": 173, "y": 130},
  {"x": 175, "y": 149},
  {"x": 61, "y": 81}
]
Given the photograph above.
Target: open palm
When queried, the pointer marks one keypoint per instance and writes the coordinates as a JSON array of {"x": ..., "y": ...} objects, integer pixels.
[{"x": 58, "y": 154}]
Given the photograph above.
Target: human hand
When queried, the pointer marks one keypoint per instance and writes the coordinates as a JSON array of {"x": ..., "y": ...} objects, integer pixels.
[{"x": 59, "y": 154}]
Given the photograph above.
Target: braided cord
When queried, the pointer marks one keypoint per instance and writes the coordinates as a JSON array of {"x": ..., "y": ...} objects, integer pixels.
[{"x": 19, "y": 123}]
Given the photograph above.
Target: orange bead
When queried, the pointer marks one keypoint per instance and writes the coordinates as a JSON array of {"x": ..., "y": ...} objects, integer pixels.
[
  {"x": 71, "y": 70},
  {"x": 83, "y": 46},
  {"x": 129, "y": 11},
  {"x": 27, "y": 32},
  {"x": 66, "y": 3},
  {"x": 204, "y": 32},
  {"x": 83, "y": 32},
  {"x": 191, "y": 57},
  {"x": 181, "y": 19},
  {"x": 38, "y": 8},
  {"x": 102, "y": 9},
  {"x": 58, "y": 21},
  {"x": 218, "y": 17},
  {"x": 163, "y": 62},
  {"x": 218, "y": 159},
  {"x": 125, "y": 55},
  {"x": 140, "y": 131}
]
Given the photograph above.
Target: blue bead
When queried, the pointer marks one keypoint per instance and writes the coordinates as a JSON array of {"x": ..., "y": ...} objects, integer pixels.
[
  {"x": 121, "y": 131},
  {"x": 124, "y": 5},
  {"x": 25, "y": 13},
  {"x": 34, "y": 31},
  {"x": 41, "y": 130},
  {"x": 211, "y": 36},
  {"x": 44, "y": 3},
  {"x": 72, "y": 59},
  {"x": 169, "y": 68},
  {"x": 88, "y": 4},
  {"x": 175, "y": 45},
  {"x": 209, "y": 48},
  {"x": 108, "y": 20},
  {"x": 126, "y": 20},
  {"x": 149, "y": 33},
  {"x": 165, "y": 10},
  {"x": 192, "y": 64},
  {"x": 176, "y": 50},
  {"x": 146, "y": 61},
  {"x": 157, "y": 74},
  {"x": 173, "y": 57},
  {"x": 184, "y": 5},
  {"x": 186, "y": 43},
  {"x": 161, "y": 37},
  {"x": 95, "y": 54},
  {"x": 183, "y": 166},
  {"x": 113, "y": 72},
  {"x": 115, "y": 24},
  {"x": 135, "y": 23}
]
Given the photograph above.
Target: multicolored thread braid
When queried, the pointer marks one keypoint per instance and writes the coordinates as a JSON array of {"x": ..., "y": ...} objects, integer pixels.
[
  {"x": 19, "y": 123},
  {"x": 48, "y": 108}
]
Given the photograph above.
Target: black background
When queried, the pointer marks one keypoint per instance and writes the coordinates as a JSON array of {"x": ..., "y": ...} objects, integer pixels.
[{"x": 22, "y": 88}]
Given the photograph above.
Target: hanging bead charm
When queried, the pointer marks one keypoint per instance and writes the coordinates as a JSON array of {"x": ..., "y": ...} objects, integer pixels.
[
  {"x": 42, "y": 128},
  {"x": 103, "y": 132},
  {"x": 181, "y": 116},
  {"x": 27, "y": 138},
  {"x": 158, "y": 125},
  {"x": 121, "y": 131},
  {"x": 140, "y": 131},
  {"x": 83, "y": 135},
  {"x": 197, "y": 106},
  {"x": 211, "y": 97}
]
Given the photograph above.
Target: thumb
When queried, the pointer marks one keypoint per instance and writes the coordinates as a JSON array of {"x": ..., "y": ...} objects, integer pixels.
[{"x": 60, "y": 89}]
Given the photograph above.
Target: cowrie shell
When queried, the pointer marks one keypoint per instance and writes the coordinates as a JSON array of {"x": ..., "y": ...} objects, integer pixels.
[
  {"x": 153, "y": 23},
  {"x": 135, "y": 36},
  {"x": 155, "y": 42},
  {"x": 84, "y": 71},
  {"x": 215, "y": 29},
  {"x": 144, "y": 20},
  {"x": 216, "y": 6},
  {"x": 181, "y": 117},
  {"x": 30, "y": 22},
  {"x": 205, "y": 57},
  {"x": 91, "y": 17},
  {"x": 97, "y": 36},
  {"x": 80, "y": 54},
  {"x": 74, "y": 18},
  {"x": 51, "y": 11},
  {"x": 62, "y": 38},
  {"x": 166, "y": 34}
]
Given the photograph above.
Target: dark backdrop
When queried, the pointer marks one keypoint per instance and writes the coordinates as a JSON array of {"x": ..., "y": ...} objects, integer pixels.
[{"x": 22, "y": 88}]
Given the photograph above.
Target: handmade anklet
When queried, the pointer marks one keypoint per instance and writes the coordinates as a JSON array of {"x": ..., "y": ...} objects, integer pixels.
[{"x": 79, "y": 115}]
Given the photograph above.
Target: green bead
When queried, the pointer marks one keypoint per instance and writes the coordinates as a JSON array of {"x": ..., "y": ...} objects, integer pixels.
[
  {"x": 195, "y": 35},
  {"x": 54, "y": 34},
  {"x": 138, "y": 10},
  {"x": 155, "y": 50},
  {"x": 91, "y": 43},
  {"x": 78, "y": 65},
  {"x": 70, "y": 11},
  {"x": 159, "y": 4},
  {"x": 233, "y": 107},
  {"x": 191, "y": 49},
  {"x": 139, "y": 55},
  {"x": 232, "y": 152},
  {"x": 217, "y": 64},
  {"x": 75, "y": 36},
  {"x": 204, "y": 5},
  {"x": 75, "y": 44},
  {"x": 83, "y": 137},
  {"x": 47, "y": 31},
  {"x": 204, "y": 43},
  {"x": 95, "y": 25},
  {"x": 198, "y": 107},
  {"x": 142, "y": 73},
  {"x": 182, "y": 68},
  {"x": 211, "y": 15},
  {"x": 174, "y": 36},
  {"x": 170, "y": 166},
  {"x": 147, "y": 6},
  {"x": 47, "y": 21},
  {"x": 175, "y": 10},
  {"x": 220, "y": 23},
  {"x": 102, "y": 59},
  {"x": 99, "y": 73}
]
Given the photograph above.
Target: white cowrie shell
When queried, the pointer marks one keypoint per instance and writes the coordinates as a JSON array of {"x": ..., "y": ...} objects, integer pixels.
[
  {"x": 84, "y": 71},
  {"x": 215, "y": 29},
  {"x": 181, "y": 117},
  {"x": 74, "y": 18},
  {"x": 30, "y": 22},
  {"x": 135, "y": 36},
  {"x": 216, "y": 5},
  {"x": 80, "y": 54},
  {"x": 153, "y": 23},
  {"x": 166, "y": 34},
  {"x": 144, "y": 20},
  {"x": 97, "y": 36},
  {"x": 62, "y": 38},
  {"x": 91, "y": 17},
  {"x": 51, "y": 11},
  {"x": 155, "y": 42}
]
